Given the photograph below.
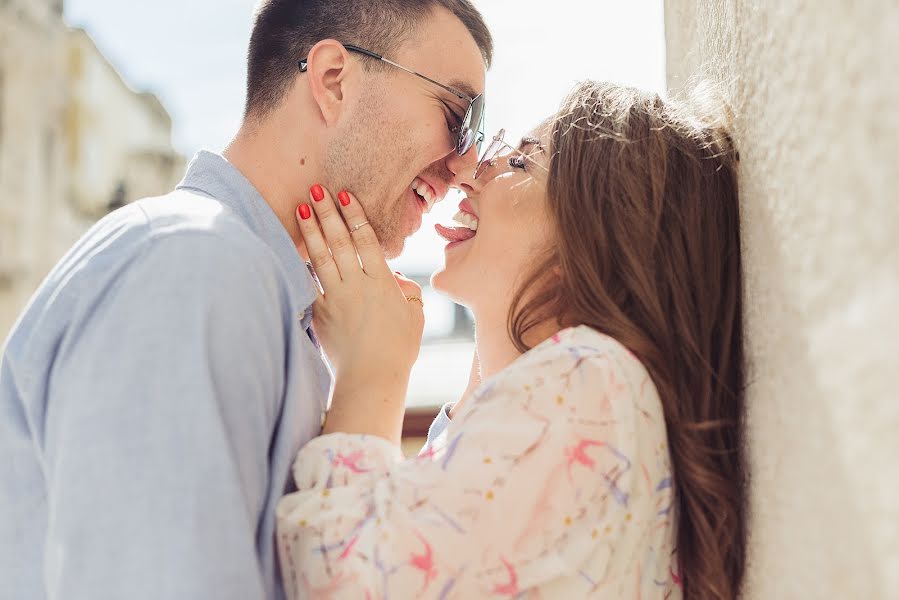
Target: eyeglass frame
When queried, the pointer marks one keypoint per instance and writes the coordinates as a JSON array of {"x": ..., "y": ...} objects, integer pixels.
[
  {"x": 462, "y": 146},
  {"x": 498, "y": 141}
]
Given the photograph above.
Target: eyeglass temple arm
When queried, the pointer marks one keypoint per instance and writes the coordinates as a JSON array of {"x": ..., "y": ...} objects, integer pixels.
[{"x": 303, "y": 64}]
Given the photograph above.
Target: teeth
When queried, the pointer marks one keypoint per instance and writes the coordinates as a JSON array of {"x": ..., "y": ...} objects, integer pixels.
[
  {"x": 467, "y": 220},
  {"x": 424, "y": 190}
]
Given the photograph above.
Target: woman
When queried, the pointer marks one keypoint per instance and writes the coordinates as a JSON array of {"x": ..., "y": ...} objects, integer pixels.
[{"x": 598, "y": 453}]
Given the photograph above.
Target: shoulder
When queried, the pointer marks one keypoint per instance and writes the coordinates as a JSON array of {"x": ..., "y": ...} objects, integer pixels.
[
  {"x": 160, "y": 255},
  {"x": 184, "y": 220},
  {"x": 185, "y": 239},
  {"x": 581, "y": 350},
  {"x": 587, "y": 372}
]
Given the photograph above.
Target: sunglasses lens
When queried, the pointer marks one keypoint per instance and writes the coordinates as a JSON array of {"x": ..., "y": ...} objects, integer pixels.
[
  {"x": 475, "y": 113},
  {"x": 472, "y": 121},
  {"x": 466, "y": 138}
]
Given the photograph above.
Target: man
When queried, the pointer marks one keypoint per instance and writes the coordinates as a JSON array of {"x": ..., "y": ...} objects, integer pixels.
[{"x": 165, "y": 367}]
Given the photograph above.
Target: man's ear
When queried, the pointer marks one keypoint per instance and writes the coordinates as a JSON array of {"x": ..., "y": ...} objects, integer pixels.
[{"x": 327, "y": 67}]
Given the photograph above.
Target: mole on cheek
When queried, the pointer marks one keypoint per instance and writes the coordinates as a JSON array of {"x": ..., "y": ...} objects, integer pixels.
[{"x": 303, "y": 161}]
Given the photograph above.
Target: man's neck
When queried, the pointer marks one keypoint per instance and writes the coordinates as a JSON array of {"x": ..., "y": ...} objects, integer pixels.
[{"x": 282, "y": 173}]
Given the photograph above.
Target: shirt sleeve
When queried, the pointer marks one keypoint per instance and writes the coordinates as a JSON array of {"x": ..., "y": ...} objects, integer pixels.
[
  {"x": 531, "y": 482},
  {"x": 161, "y": 407}
]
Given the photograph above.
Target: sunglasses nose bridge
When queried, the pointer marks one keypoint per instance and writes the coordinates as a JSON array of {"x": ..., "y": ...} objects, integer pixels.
[
  {"x": 488, "y": 158},
  {"x": 470, "y": 129}
]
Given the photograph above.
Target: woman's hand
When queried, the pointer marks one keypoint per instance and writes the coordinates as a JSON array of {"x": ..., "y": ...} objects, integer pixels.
[{"x": 364, "y": 319}]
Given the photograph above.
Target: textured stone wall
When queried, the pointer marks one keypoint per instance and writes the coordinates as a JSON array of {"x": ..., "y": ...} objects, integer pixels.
[{"x": 815, "y": 91}]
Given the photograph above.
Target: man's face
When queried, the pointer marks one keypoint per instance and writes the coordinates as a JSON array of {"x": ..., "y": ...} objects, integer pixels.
[{"x": 398, "y": 134}]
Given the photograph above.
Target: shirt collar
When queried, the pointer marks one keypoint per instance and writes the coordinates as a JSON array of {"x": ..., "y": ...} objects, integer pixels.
[{"x": 211, "y": 174}]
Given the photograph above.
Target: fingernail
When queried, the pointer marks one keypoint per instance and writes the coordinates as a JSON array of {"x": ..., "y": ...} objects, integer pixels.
[
  {"x": 318, "y": 194},
  {"x": 305, "y": 211},
  {"x": 344, "y": 198}
]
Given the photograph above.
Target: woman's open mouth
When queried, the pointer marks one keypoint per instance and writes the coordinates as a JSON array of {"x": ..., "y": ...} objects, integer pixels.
[{"x": 466, "y": 229}]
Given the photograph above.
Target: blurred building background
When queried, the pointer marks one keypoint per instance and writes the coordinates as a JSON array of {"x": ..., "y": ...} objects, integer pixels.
[{"x": 75, "y": 142}]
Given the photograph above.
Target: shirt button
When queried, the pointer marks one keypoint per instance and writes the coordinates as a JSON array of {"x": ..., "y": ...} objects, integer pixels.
[{"x": 302, "y": 315}]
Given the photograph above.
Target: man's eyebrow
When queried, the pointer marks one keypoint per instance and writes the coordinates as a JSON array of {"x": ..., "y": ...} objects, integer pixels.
[{"x": 458, "y": 84}]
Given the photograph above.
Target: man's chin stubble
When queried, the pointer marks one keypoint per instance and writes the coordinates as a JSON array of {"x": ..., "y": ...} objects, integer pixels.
[
  {"x": 393, "y": 250},
  {"x": 391, "y": 247}
]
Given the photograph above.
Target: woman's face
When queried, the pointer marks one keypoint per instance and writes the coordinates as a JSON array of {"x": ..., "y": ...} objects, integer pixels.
[{"x": 507, "y": 206}]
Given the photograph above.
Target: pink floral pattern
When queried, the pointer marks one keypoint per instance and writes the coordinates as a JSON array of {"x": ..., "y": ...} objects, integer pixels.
[{"x": 554, "y": 481}]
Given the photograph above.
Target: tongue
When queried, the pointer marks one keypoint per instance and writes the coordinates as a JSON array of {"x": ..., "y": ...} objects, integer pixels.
[{"x": 454, "y": 234}]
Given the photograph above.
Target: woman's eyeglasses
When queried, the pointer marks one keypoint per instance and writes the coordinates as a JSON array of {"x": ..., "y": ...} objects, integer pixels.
[
  {"x": 468, "y": 132},
  {"x": 491, "y": 154}
]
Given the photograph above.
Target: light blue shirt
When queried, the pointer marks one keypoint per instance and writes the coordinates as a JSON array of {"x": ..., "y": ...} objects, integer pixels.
[
  {"x": 153, "y": 396},
  {"x": 440, "y": 423}
]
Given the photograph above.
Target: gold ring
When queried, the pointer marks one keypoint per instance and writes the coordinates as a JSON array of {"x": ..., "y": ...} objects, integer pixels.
[
  {"x": 360, "y": 225},
  {"x": 415, "y": 299}
]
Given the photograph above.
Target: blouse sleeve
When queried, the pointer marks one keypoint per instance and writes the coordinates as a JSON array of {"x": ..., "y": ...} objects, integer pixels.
[{"x": 534, "y": 480}]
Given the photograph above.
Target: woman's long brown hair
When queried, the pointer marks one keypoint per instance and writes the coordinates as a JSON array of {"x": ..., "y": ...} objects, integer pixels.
[{"x": 644, "y": 201}]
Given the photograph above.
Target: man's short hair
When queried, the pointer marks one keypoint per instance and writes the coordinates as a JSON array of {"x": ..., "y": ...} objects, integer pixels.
[{"x": 284, "y": 31}]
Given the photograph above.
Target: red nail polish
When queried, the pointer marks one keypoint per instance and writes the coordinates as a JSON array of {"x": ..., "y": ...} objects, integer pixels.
[
  {"x": 318, "y": 193},
  {"x": 344, "y": 198},
  {"x": 305, "y": 211}
]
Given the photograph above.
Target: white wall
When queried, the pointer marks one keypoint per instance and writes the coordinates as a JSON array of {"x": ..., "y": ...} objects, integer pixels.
[{"x": 815, "y": 89}]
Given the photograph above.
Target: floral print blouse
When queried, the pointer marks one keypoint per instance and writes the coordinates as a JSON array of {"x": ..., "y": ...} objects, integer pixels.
[{"x": 553, "y": 481}]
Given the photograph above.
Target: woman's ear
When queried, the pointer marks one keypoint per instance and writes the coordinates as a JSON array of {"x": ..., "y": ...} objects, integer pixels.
[{"x": 327, "y": 67}]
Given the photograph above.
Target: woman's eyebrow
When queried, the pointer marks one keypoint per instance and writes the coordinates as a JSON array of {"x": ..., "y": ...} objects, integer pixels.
[{"x": 529, "y": 141}]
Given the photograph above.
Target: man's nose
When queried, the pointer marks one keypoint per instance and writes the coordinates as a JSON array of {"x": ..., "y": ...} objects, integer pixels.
[{"x": 462, "y": 168}]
